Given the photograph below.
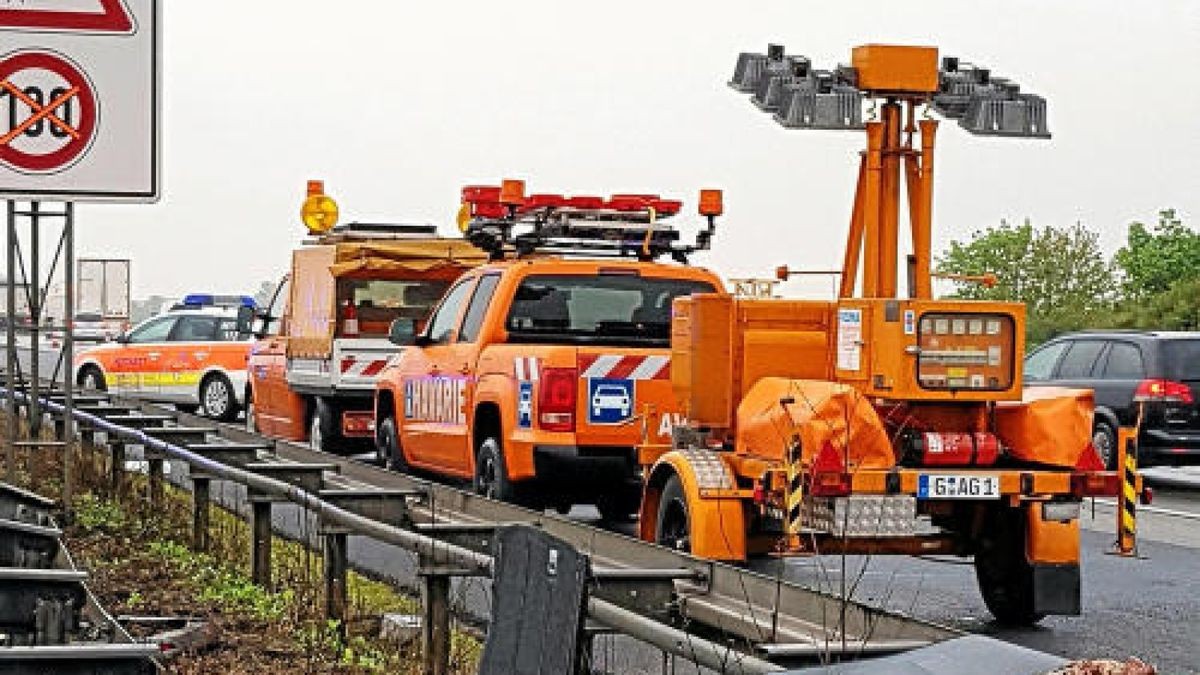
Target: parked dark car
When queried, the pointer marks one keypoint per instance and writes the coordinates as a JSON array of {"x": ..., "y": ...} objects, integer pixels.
[{"x": 1159, "y": 369}]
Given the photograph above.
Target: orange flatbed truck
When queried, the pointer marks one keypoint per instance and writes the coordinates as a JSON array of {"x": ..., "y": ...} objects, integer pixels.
[
  {"x": 874, "y": 423},
  {"x": 534, "y": 374},
  {"x": 324, "y": 339}
]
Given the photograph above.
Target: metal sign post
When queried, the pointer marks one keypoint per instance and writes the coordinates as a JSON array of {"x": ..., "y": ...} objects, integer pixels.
[{"x": 80, "y": 110}]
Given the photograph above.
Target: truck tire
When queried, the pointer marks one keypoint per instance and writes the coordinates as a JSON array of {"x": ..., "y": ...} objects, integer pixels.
[
  {"x": 387, "y": 446},
  {"x": 491, "y": 473},
  {"x": 217, "y": 399},
  {"x": 323, "y": 429},
  {"x": 672, "y": 527},
  {"x": 1005, "y": 576},
  {"x": 1104, "y": 439}
]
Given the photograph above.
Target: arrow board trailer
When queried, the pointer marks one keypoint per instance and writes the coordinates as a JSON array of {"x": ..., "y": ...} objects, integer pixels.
[{"x": 80, "y": 100}]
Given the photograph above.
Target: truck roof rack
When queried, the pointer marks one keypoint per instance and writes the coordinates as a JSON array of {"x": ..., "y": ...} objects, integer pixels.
[
  {"x": 503, "y": 221},
  {"x": 358, "y": 231}
]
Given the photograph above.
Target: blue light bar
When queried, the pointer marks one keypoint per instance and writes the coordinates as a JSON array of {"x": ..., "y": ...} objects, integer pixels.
[{"x": 210, "y": 300}]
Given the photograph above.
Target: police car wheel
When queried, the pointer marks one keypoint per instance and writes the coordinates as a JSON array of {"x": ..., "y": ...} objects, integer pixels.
[
  {"x": 217, "y": 400},
  {"x": 491, "y": 476},
  {"x": 673, "y": 527},
  {"x": 92, "y": 378}
]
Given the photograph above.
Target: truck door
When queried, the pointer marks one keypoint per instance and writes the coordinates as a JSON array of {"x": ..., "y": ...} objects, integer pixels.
[
  {"x": 435, "y": 387},
  {"x": 268, "y": 373}
]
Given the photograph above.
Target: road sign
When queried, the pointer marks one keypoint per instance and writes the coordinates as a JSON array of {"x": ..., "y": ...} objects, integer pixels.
[{"x": 80, "y": 103}]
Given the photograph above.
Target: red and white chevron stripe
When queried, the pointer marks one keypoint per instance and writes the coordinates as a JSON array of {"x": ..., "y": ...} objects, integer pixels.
[
  {"x": 362, "y": 367},
  {"x": 526, "y": 368},
  {"x": 618, "y": 367}
]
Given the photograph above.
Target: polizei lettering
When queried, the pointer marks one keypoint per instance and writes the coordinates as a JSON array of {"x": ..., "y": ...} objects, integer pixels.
[{"x": 436, "y": 399}]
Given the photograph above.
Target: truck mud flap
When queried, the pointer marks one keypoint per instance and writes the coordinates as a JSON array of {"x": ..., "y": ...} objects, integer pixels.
[{"x": 1056, "y": 589}]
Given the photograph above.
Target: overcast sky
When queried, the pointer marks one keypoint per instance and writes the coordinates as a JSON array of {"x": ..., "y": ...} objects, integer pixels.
[{"x": 396, "y": 105}]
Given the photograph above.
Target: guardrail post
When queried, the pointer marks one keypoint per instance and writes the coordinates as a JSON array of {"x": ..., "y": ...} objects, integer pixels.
[
  {"x": 335, "y": 578},
  {"x": 116, "y": 477},
  {"x": 260, "y": 539},
  {"x": 435, "y": 625},
  {"x": 200, "y": 486},
  {"x": 154, "y": 468}
]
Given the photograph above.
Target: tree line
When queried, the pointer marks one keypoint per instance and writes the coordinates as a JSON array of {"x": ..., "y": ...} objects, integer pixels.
[{"x": 1067, "y": 283}]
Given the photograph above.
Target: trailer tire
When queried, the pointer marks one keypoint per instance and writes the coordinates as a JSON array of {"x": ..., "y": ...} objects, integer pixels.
[
  {"x": 491, "y": 473},
  {"x": 387, "y": 446},
  {"x": 672, "y": 527},
  {"x": 1004, "y": 574},
  {"x": 323, "y": 426}
]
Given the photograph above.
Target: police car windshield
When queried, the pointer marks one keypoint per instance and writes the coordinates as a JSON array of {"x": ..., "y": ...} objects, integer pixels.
[
  {"x": 378, "y": 302},
  {"x": 605, "y": 310}
]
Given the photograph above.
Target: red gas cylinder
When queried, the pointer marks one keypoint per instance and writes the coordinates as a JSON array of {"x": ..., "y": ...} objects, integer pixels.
[{"x": 954, "y": 448}]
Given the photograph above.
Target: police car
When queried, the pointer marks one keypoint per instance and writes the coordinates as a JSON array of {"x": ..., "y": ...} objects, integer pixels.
[{"x": 192, "y": 355}]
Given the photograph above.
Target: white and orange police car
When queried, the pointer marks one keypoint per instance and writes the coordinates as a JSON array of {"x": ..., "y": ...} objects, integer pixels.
[{"x": 191, "y": 355}]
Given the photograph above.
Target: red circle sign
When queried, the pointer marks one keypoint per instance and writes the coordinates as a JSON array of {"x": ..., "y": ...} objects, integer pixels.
[{"x": 57, "y": 121}]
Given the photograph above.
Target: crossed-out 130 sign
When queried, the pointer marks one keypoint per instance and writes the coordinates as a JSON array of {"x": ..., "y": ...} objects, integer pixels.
[{"x": 49, "y": 111}]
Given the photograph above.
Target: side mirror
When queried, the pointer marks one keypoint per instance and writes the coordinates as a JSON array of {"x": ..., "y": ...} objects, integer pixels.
[
  {"x": 123, "y": 338},
  {"x": 402, "y": 333},
  {"x": 245, "y": 320}
]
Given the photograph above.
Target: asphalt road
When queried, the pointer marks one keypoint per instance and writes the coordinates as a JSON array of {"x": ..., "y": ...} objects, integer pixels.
[{"x": 1148, "y": 607}]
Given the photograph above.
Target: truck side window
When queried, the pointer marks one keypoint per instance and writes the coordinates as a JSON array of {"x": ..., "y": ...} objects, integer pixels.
[
  {"x": 480, "y": 299},
  {"x": 441, "y": 324}
]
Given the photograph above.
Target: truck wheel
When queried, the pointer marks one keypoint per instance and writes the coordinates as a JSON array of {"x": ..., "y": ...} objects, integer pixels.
[
  {"x": 1005, "y": 576},
  {"x": 673, "y": 525},
  {"x": 323, "y": 427},
  {"x": 217, "y": 399},
  {"x": 387, "y": 446},
  {"x": 1104, "y": 439},
  {"x": 91, "y": 378},
  {"x": 491, "y": 474}
]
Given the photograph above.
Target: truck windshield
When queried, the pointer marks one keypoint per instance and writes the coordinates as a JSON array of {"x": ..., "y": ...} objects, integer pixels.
[
  {"x": 378, "y": 302},
  {"x": 606, "y": 309}
]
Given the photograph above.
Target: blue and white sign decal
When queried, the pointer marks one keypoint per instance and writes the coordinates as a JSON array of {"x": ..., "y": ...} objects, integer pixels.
[
  {"x": 524, "y": 405},
  {"x": 609, "y": 401}
]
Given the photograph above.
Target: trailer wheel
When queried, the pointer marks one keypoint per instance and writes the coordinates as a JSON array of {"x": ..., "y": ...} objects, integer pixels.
[
  {"x": 1005, "y": 576},
  {"x": 673, "y": 526},
  {"x": 387, "y": 446},
  {"x": 491, "y": 474}
]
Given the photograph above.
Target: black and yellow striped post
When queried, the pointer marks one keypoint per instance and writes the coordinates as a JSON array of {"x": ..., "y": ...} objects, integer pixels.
[
  {"x": 1127, "y": 498},
  {"x": 795, "y": 488}
]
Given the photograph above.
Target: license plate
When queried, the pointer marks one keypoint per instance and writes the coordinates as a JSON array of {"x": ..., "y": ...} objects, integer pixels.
[{"x": 956, "y": 486}]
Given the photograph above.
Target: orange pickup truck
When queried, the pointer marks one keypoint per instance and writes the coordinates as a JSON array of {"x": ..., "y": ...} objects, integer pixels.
[{"x": 537, "y": 375}]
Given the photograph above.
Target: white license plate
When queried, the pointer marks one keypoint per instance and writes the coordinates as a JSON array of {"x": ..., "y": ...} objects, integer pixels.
[{"x": 957, "y": 486}]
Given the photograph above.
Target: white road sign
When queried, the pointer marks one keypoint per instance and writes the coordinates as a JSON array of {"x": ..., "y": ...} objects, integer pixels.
[{"x": 80, "y": 100}]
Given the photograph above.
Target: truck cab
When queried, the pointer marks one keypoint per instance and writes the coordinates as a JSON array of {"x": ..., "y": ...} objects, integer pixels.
[{"x": 538, "y": 375}]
